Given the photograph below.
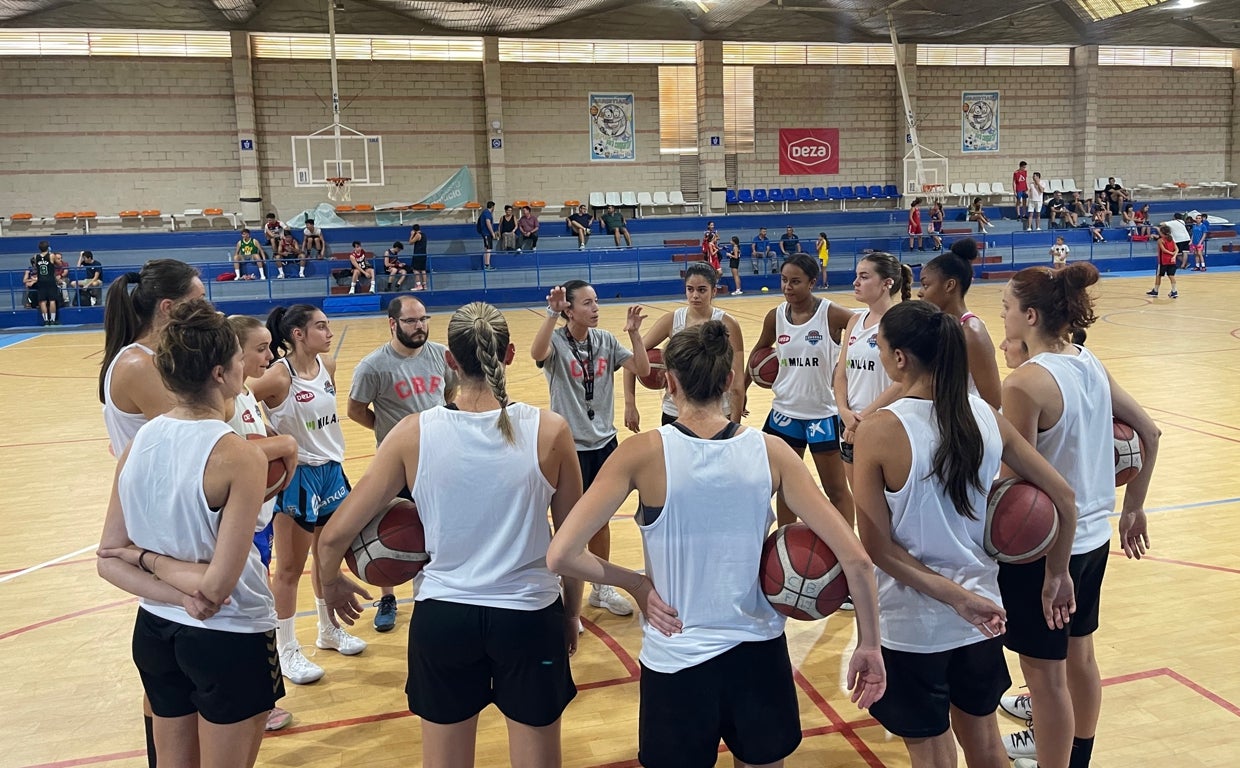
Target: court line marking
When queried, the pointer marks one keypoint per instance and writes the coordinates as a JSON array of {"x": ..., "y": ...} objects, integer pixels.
[
  {"x": 9, "y": 340},
  {"x": 40, "y": 566},
  {"x": 1185, "y": 563}
]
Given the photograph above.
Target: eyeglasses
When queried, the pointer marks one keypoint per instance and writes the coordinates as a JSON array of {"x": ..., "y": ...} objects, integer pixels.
[{"x": 409, "y": 322}]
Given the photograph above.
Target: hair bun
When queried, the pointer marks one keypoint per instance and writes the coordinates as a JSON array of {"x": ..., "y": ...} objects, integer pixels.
[
  {"x": 133, "y": 278},
  {"x": 965, "y": 248},
  {"x": 715, "y": 337}
]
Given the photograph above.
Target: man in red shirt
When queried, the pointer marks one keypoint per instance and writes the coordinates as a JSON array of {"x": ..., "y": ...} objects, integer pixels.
[{"x": 1020, "y": 185}]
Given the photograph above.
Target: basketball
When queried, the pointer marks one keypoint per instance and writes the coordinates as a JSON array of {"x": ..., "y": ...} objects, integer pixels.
[
  {"x": 764, "y": 366},
  {"x": 391, "y": 549},
  {"x": 1129, "y": 458},
  {"x": 275, "y": 473},
  {"x": 657, "y": 378},
  {"x": 800, "y": 575},
  {"x": 1021, "y": 523}
]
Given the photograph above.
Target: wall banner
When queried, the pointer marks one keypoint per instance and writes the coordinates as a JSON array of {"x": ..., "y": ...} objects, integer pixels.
[
  {"x": 979, "y": 121},
  {"x": 613, "y": 134},
  {"x": 809, "y": 151}
]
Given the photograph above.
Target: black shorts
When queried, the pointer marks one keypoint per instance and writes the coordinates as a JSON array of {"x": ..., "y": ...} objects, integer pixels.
[
  {"x": 226, "y": 677},
  {"x": 734, "y": 263},
  {"x": 464, "y": 657},
  {"x": 745, "y": 696},
  {"x": 418, "y": 262},
  {"x": 1021, "y": 587},
  {"x": 592, "y": 461},
  {"x": 923, "y": 687},
  {"x": 1181, "y": 246},
  {"x": 821, "y": 435},
  {"x": 1167, "y": 270},
  {"x": 846, "y": 452},
  {"x": 46, "y": 292},
  {"x": 488, "y": 242}
]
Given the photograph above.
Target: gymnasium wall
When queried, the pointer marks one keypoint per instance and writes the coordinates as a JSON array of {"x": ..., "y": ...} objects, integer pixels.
[{"x": 106, "y": 134}]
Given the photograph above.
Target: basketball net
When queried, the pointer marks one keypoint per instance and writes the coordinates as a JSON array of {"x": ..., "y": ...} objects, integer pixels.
[{"x": 339, "y": 189}]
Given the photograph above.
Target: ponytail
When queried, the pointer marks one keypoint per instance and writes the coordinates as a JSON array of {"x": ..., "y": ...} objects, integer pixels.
[
  {"x": 281, "y": 323},
  {"x": 127, "y": 316},
  {"x": 478, "y": 339}
]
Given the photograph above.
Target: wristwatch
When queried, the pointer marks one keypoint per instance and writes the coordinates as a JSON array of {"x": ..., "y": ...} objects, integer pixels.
[{"x": 552, "y": 313}]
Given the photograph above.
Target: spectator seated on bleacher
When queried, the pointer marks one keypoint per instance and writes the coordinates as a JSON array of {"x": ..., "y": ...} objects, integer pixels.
[
  {"x": 763, "y": 253},
  {"x": 312, "y": 240},
  {"x": 1057, "y": 212},
  {"x": 288, "y": 249},
  {"x": 248, "y": 249},
  {"x": 1115, "y": 195},
  {"x": 615, "y": 225},
  {"x": 90, "y": 285},
  {"x": 527, "y": 225},
  {"x": 579, "y": 225},
  {"x": 508, "y": 230},
  {"x": 273, "y": 230}
]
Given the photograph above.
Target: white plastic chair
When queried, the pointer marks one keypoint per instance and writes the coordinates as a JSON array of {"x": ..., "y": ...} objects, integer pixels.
[
  {"x": 997, "y": 189},
  {"x": 956, "y": 190},
  {"x": 1100, "y": 184},
  {"x": 613, "y": 198},
  {"x": 661, "y": 201},
  {"x": 1069, "y": 185},
  {"x": 970, "y": 190},
  {"x": 677, "y": 198},
  {"x": 983, "y": 190},
  {"x": 644, "y": 200},
  {"x": 598, "y": 200},
  {"x": 1227, "y": 185},
  {"x": 1056, "y": 186},
  {"x": 629, "y": 200}
]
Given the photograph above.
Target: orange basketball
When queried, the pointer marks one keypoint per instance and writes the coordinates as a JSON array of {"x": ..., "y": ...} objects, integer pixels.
[
  {"x": 764, "y": 366},
  {"x": 800, "y": 575},
  {"x": 1129, "y": 456},
  {"x": 275, "y": 472},
  {"x": 391, "y": 549},
  {"x": 1021, "y": 523},
  {"x": 657, "y": 378}
]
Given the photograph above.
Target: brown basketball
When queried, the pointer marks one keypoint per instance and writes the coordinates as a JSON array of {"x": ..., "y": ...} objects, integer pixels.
[
  {"x": 1129, "y": 453},
  {"x": 391, "y": 549},
  {"x": 800, "y": 575},
  {"x": 764, "y": 366},
  {"x": 275, "y": 473},
  {"x": 657, "y": 378},
  {"x": 1021, "y": 523}
]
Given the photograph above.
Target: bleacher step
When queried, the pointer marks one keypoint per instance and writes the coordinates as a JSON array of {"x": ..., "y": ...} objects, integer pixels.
[{"x": 360, "y": 302}]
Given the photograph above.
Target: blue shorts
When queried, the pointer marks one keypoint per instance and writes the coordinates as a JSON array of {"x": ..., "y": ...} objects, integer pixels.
[
  {"x": 262, "y": 542},
  {"x": 313, "y": 494},
  {"x": 1022, "y": 196},
  {"x": 820, "y": 435}
]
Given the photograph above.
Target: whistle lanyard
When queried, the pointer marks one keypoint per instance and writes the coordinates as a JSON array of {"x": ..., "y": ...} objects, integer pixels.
[{"x": 587, "y": 367}]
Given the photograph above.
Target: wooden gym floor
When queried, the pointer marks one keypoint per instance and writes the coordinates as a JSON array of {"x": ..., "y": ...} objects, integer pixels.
[{"x": 1168, "y": 628}]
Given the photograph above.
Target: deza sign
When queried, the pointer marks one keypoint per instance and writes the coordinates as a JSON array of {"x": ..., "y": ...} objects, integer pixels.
[{"x": 809, "y": 151}]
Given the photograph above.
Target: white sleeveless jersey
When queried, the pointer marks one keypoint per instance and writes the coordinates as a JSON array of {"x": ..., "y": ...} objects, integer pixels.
[
  {"x": 1080, "y": 446},
  {"x": 806, "y": 360},
  {"x": 864, "y": 370},
  {"x": 704, "y": 549},
  {"x": 121, "y": 425},
  {"x": 309, "y": 414},
  {"x": 925, "y": 522},
  {"x": 966, "y": 317},
  {"x": 679, "y": 319},
  {"x": 165, "y": 511},
  {"x": 247, "y": 419},
  {"x": 484, "y": 506}
]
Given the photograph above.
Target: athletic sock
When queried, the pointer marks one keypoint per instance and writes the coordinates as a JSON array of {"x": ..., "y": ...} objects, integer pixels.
[
  {"x": 149, "y": 722},
  {"x": 285, "y": 634},
  {"x": 325, "y": 615},
  {"x": 1082, "y": 751},
  {"x": 237, "y": 272}
]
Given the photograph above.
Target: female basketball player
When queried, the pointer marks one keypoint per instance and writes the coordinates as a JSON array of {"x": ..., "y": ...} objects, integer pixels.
[
  {"x": 130, "y": 388},
  {"x": 923, "y": 466},
  {"x": 945, "y": 280},
  {"x": 246, "y": 419},
  {"x": 579, "y": 361},
  {"x": 180, "y": 534},
  {"x": 715, "y": 663},
  {"x": 1062, "y": 401},
  {"x": 861, "y": 382},
  {"x": 489, "y": 625},
  {"x": 700, "y": 282},
  {"x": 805, "y": 331},
  {"x": 299, "y": 394}
]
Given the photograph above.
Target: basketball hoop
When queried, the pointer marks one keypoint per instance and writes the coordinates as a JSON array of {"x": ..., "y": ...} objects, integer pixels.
[
  {"x": 339, "y": 189},
  {"x": 934, "y": 190}
]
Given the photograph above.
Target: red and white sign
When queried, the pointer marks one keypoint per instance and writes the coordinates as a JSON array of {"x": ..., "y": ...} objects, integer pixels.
[{"x": 806, "y": 151}]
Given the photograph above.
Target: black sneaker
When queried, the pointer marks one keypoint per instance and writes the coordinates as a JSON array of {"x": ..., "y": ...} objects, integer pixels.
[{"x": 385, "y": 617}]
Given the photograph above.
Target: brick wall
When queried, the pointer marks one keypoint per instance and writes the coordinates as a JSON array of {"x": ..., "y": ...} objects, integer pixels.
[
  {"x": 107, "y": 134},
  {"x": 860, "y": 101},
  {"x": 546, "y": 132}
]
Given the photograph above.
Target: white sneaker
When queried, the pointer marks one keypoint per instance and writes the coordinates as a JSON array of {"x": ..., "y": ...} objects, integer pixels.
[
  {"x": 352, "y": 289},
  {"x": 606, "y": 596},
  {"x": 737, "y": 293},
  {"x": 336, "y": 639},
  {"x": 1019, "y": 706},
  {"x": 847, "y": 605},
  {"x": 296, "y": 667},
  {"x": 1024, "y": 762},
  {"x": 581, "y": 628},
  {"x": 301, "y": 273},
  {"x": 372, "y": 287},
  {"x": 1021, "y": 744}
]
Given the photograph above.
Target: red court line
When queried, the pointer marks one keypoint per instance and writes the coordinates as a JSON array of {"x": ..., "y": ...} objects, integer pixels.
[
  {"x": 1194, "y": 418},
  {"x": 629, "y": 663},
  {"x": 66, "y": 617},
  {"x": 54, "y": 565},
  {"x": 58, "y": 442},
  {"x": 1192, "y": 685},
  {"x": 91, "y": 760},
  {"x": 1188, "y": 563},
  {"x": 845, "y": 729}
]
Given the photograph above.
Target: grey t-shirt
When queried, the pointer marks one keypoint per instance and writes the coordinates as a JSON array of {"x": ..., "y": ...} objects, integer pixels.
[
  {"x": 563, "y": 369},
  {"x": 398, "y": 386}
]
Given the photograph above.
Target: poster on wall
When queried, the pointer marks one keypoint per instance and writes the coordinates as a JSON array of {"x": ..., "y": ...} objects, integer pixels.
[
  {"x": 612, "y": 133},
  {"x": 805, "y": 151},
  {"x": 979, "y": 121}
]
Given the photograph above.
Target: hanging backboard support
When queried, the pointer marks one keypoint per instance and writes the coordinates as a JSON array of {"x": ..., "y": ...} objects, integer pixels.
[
  {"x": 338, "y": 151},
  {"x": 926, "y": 175}
]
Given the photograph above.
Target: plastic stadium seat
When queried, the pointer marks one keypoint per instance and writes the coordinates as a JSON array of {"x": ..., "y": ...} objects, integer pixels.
[
  {"x": 744, "y": 196},
  {"x": 790, "y": 194},
  {"x": 775, "y": 195},
  {"x": 567, "y": 203},
  {"x": 660, "y": 198},
  {"x": 846, "y": 193},
  {"x": 983, "y": 189},
  {"x": 1069, "y": 185},
  {"x": 345, "y": 209},
  {"x": 997, "y": 189},
  {"x": 891, "y": 191},
  {"x": 644, "y": 200},
  {"x": 1055, "y": 186},
  {"x": 676, "y": 197},
  {"x": 23, "y": 216},
  {"x": 834, "y": 193},
  {"x": 820, "y": 194},
  {"x": 65, "y": 215},
  {"x": 212, "y": 211},
  {"x": 129, "y": 214},
  {"x": 598, "y": 200},
  {"x": 759, "y": 196},
  {"x": 152, "y": 212},
  {"x": 861, "y": 193},
  {"x": 804, "y": 195},
  {"x": 876, "y": 191},
  {"x": 365, "y": 208},
  {"x": 956, "y": 190},
  {"x": 731, "y": 197},
  {"x": 613, "y": 199},
  {"x": 520, "y": 204},
  {"x": 474, "y": 205},
  {"x": 970, "y": 190},
  {"x": 628, "y": 199}
]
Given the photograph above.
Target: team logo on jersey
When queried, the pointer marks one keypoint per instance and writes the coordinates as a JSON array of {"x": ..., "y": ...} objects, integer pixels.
[
  {"x": 874, "y": 342},
  {"x": 784, "y": 338},
  {"x": 247, "y": 416},
  {"x": 813, "y": 337},
  {"x": 780, "y": 420},
  {"x": 303, "y": 396},
  {"x": 329, "y": 387}
]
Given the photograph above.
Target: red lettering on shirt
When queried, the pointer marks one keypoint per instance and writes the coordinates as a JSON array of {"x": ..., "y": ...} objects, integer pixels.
[
  {"x": 418, "y": 385},
  {"x": 600, "y": 368}
]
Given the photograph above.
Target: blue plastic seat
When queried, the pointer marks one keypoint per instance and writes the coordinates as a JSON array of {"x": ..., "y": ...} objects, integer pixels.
[
  {"x": 804, "y": 195},
  {"x": 892, "y": 192},
  {"x": 820, "y": 194},
  {"x": 744, "y": 196},
  {"x": 731, "y": 198},
  {"x": 759, "y": 196},
  {"x": 876, "y": 191},
  {"x": 846, "y": 193},
  {"x": 861, "y": 192},
  {"x": 775, "y": 195},
  {"x": 834, "y": 193},
  {"x": 790, "y": 194}
]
